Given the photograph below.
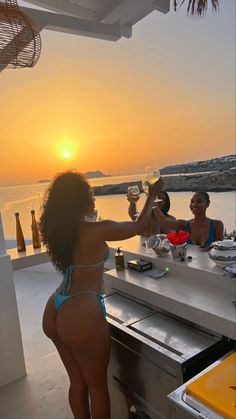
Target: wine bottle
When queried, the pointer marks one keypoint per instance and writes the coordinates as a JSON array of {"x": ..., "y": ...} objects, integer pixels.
[
  {"x": 119, "y": 260},
  {"x": 35, "y": 232},
  {"x": 19, "y": 235}
]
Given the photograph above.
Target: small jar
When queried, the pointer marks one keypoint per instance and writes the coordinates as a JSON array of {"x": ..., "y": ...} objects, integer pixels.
[{"x": 178, "y": 251}]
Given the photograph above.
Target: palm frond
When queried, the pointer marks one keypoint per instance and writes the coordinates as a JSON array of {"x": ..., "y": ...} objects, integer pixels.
[{"x": 197, "y": 7}]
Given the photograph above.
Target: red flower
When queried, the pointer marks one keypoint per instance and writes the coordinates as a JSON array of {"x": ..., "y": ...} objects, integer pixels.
[{"x": 179, "y": 238}]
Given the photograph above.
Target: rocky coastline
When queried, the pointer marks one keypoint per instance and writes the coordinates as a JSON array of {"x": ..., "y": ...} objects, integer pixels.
[
  {"x": 217, "y": 181},
  {"x": 216, "y": 164}
]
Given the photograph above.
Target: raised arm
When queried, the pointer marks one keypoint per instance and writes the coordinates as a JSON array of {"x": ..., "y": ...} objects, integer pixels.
[
  {"x": 132, "y": 210},
  {"x": 168, "y": 222},
  {"x": 112, "y": 230}
]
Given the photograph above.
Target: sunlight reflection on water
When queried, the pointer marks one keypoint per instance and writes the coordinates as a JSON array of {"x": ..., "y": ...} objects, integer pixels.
[{"x": 24, "y": 198}]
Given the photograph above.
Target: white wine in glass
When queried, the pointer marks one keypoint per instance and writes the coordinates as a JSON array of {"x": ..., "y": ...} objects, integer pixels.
[
  {"x": 134, "y": 192},
  {"x": 145, "y": 186},
  {"x": 151, "y": 175}
]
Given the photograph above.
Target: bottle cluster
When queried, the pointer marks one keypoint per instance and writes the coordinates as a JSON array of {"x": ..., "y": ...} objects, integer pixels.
[{"x": 19, "y": 233}]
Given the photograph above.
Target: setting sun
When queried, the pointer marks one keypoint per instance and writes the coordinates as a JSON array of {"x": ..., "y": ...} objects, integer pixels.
[
  {"x": 66, "y": 149},
  {"x": 66, "y": 154}
]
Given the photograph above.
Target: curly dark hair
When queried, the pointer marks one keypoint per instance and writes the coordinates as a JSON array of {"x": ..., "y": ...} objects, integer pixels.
[
  {"x": 65, "y": 204},
  {"x": 166, "y": 208}
]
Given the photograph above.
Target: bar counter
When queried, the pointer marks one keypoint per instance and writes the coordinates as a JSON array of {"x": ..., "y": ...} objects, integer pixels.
[
  {"x": 197, "y": 290},
  {"x": 30, "y": 257}
]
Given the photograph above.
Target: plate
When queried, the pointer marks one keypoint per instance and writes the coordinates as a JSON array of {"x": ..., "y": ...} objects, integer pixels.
[
  {"x": 224, "y": 245},
  {"x": 222, "y": 263}
]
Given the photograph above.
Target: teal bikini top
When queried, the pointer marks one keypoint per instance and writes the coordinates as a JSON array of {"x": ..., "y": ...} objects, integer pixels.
[
  {"x": 211, "y": 237},
  {"x": 71, "y": 268},
  {"x": 62, "y": 297}
]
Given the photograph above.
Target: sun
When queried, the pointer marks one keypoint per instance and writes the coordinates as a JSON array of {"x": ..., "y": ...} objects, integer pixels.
[
  {"x": 67, "y": 154},
  {"x": 66, "y": 149}
]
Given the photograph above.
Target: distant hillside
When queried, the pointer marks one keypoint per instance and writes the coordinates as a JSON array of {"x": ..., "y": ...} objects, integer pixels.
[
  {"x": 216, "y": 181},
  {"x": 216, "y": 164},
  {"x": 95, "y": 174}
]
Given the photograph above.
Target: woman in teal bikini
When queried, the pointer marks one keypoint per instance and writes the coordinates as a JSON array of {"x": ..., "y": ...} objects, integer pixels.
[
  {"x": 74, "y": 316},
  {"x": 202, "y": 230}
]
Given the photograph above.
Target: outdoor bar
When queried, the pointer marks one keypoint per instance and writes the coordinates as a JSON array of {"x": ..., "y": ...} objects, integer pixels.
[
  {"x": 167, "y": 332},
  {"x": 164, "y": 331}
]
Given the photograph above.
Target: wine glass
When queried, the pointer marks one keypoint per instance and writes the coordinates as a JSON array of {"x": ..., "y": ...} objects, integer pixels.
[
  {"x": 134, "y": 192},
  {"x": 151, "y": 175}
]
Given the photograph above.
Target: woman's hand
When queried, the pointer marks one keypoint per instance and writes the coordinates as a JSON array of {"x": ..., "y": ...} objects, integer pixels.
[
  {"x": 156, "y": 188},
  {"x": 131, "y": 199}
]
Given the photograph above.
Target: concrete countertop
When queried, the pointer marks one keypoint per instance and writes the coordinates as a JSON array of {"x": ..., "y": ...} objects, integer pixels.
[
  {"x": 30, "y": 257},
  {"x": 200, "y": 259},
  {"x": 134, "y": 246},
  {"x": 196, "y": 291}
]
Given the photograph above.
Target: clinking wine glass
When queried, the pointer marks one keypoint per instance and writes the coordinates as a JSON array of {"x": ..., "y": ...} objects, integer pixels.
[
  {"x": 134, "y": 192},
  {"x": 151, "y": 175}
]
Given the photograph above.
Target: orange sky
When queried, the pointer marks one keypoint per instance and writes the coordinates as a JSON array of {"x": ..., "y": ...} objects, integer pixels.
[{"x": 164, "y": 96}]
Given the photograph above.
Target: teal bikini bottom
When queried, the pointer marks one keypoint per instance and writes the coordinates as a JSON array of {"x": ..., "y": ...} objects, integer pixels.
[{"x": 60, "y": 299}]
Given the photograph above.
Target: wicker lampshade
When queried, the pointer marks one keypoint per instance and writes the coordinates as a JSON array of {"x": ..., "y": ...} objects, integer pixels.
[{"x": 20, "y": 42}]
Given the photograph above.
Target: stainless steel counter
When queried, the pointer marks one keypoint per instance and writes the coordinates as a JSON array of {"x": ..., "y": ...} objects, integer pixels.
[{"x": 154, "y": 353}]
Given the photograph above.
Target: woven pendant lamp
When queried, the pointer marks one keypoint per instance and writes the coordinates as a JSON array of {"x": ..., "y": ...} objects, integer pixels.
[{"x": 20, "y": 42}]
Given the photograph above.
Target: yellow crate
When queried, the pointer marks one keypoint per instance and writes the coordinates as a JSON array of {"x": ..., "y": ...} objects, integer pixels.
[{"x": 217, "y": 388}]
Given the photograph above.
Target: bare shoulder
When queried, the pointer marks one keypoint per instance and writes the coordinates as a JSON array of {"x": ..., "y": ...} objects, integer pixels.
[
  {"x": 91, "y": 232},
  {"x": 218, "y": 229},
  {"x": 217, "y": 223}
]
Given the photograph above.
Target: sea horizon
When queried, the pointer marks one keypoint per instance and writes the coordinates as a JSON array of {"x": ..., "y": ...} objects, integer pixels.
[
  {"x": 24, "y": 198},
  {"x": 115, "y": 175}
]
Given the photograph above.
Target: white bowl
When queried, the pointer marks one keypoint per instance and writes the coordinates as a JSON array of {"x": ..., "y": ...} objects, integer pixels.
[
  {"x": 223, "y": 253},
  {"x": 221, "y": 263},
  {"x": 224, "y": 245}
]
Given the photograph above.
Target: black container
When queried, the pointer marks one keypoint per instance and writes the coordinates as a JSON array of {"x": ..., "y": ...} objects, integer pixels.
[{"x": 139, "y": 265}]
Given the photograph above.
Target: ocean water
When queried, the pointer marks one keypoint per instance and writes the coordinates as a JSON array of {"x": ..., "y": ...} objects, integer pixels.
[{"x": 24, "y": 198}]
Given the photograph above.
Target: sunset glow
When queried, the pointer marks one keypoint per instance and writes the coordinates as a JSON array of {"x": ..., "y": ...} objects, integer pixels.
[
  {"x": 67, "y": 154},
  {"x": 65, "y": 149},
  {"x": 164, "y": 96}
]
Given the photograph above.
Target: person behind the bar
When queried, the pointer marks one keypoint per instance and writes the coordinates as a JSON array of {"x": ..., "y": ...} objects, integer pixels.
[
  {"x": 202, "y": 230},
  {"x": 75, "y": 317},
  {"x": 154, "y": 226}
]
